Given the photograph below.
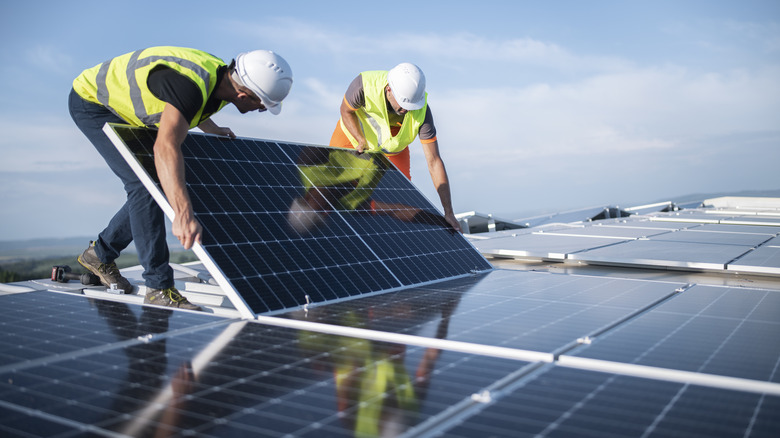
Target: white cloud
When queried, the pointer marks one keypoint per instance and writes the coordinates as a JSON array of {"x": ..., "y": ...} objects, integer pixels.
[
  {"x": 57, "y": 203},
  {"x": 651, "y": 109},
  {"x": 50, "y": 59},
  {"x": 318, "y": 94},
  {"x": 463, "y": 51},
  {"x": 765, "y": 35},
  {"x": 45, "y": 143},
  {"x": 633, "y": 135}
]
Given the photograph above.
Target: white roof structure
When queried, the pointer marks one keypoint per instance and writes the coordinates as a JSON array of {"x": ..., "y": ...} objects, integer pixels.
[{"x": 738, "y": 235}]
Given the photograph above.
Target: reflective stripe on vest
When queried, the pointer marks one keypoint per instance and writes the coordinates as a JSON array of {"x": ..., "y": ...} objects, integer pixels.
[
  {"x": 135, "y": 110},
  {"x": 375, "y": 121}
]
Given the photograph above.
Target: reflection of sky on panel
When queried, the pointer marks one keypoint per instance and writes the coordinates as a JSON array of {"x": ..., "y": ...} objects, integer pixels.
[
  {"x": 525, "y": 310},
  {"x": 244, "y": 378},
  {"x": 716, "y": 330},
  {"x": 28, "y": 335},
  {"x": 710, "y": 256},
  {"x": 565, "y": 402}
]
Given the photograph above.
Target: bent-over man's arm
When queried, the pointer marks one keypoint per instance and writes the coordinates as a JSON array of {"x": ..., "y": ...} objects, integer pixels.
[{"x": 170, "y": 169}]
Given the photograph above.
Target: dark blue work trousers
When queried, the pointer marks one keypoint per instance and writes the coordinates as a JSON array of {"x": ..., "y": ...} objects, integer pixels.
[{"x": 140, "y": 220}]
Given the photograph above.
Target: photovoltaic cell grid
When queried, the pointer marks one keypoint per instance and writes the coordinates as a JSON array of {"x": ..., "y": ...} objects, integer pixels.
[
  {"x": 567, "y": 403},
  {"x": 117, "y": 372},
  {"x": 218, "y": 377},
  {"x": 30, "y": 336},
  {"x": 715, "y": 330},
  {"x": 694, "y": 241},
  {"x": 287, "y": 224},
  {"x": 536, "y": 312}
]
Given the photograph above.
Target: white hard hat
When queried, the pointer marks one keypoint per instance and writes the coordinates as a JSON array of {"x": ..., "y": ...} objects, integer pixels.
[
  {"x": 268, "y": 76},
  {"x": 407, "y": 83}
]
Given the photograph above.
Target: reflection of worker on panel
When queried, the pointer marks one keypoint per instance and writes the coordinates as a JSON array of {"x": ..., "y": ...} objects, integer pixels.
[
  {"x": 376, "y": 394},
  {"x": 345, "y": 181}
]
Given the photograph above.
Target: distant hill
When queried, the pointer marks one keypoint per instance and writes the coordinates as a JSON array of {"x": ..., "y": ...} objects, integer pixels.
[
  {"x": 15, "y": 250},
  {"x": 31, "y": 259}
]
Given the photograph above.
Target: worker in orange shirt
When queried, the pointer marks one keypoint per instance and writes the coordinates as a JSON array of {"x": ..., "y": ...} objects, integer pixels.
[{"x": 384, "y": 111}]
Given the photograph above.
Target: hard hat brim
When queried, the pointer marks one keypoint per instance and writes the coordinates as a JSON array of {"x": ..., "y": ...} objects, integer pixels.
[
  {"x": 275, "y": 109},
  {"x": 411, "y": 106}
]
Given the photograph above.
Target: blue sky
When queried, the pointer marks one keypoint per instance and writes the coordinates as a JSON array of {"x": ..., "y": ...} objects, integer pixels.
[{"x": 540, "y": 106}]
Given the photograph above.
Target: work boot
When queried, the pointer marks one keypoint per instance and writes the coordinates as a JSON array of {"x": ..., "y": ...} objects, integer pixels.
[
  {"x": 168, "y": 297},
  {"x": 108, "y": 272}
]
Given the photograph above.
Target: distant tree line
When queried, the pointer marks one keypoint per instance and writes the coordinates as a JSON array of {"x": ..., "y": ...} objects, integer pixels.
[{"x": 8, "y": 276}]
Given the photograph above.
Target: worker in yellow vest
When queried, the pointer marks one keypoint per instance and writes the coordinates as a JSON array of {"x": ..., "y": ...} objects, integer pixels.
[
  {"x": 384, "y": 111},
  {"x": 173, "y": 89}
]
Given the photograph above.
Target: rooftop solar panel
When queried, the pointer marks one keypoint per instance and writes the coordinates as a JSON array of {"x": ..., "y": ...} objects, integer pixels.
[
  {"x": 605, "y": 231},
  {"x": 696, "y": 235},
  {"x": 565, "y": 403},
  {"x": 127, "y": 374},
  {"x": 709, "y": 329},
  {"x": 681, "y": 244},
  {"x": 763, "y": 260},
  {"x": 149, "y": 377},
  {"x": 286, "y": 224},
  {"x": 754, "y": 229},
  {"x": 644, "y": 222},
  {"x": 666, "y": 253},
  {"x": 720, "y": 217},
  {"x": 542, "y": 245},
  {"x": 522, "y": 310}
]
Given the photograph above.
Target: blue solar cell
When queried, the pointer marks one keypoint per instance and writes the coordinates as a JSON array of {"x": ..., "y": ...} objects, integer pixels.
[
  {"x": 564, "y": 403},
  {"x": 710, "y": 329},
  {"x": 242, "y": 377}
]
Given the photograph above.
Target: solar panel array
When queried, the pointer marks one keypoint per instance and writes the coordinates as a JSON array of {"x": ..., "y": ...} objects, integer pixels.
[
  {"x": 705, "y": 240},
  {"x": 177, "y": 373},
  {"x": 286, "y": 224},
  {"x": 443, "y": 350},
  {"x": 507, "y": 353}
]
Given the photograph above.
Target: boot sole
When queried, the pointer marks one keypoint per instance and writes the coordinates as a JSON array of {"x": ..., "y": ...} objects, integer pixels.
[{"x": 100, "y": 276}]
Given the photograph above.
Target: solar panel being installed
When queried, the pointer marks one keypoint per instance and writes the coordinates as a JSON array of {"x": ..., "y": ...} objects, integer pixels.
[{"x": 287, "y": 224}]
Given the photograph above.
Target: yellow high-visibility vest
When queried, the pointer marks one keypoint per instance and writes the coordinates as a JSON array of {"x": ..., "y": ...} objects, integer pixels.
[
  {"x": 120, "y": 83},
  {"x": 375, "y": 120}
]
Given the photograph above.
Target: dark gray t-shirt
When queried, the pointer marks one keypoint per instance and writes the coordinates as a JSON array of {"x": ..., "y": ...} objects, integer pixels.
[{"x": 178, "y": 90}]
